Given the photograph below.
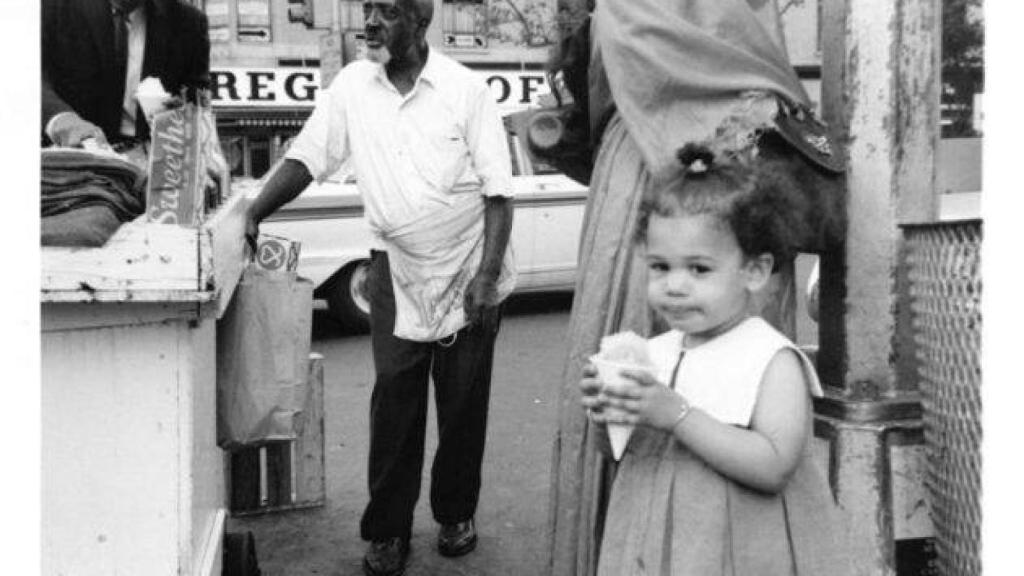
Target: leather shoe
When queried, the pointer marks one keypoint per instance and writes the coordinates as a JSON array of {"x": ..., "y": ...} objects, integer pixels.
[
  {"x": 386, "y": 557},
  {"x": 456, "y": 539}
]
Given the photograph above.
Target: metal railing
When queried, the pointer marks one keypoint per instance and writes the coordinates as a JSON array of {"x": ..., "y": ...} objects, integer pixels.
[{"x": 943, "y": 262}]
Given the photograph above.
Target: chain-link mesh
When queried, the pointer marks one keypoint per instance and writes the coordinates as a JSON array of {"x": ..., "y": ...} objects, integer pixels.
[{"x": 945, "y": 289}]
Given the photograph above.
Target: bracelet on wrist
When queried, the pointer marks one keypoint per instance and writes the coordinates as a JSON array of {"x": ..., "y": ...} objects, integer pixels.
[{"x": 684, "y": 411}]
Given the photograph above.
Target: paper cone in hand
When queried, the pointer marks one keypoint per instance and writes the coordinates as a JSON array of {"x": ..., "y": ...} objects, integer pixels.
[{"x": 610, "y": 374}]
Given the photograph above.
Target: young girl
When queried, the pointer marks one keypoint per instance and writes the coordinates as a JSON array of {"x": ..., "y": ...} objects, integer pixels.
[{"x": 718, "y": 477}]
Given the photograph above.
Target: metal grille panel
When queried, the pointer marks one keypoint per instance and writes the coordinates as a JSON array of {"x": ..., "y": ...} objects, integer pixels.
[{"x": 945, "y": 289}]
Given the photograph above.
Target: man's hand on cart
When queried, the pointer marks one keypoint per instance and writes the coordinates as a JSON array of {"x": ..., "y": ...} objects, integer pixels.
[
  {"x": 252, "y": 231},
  {"x": 71, "y": 130}
]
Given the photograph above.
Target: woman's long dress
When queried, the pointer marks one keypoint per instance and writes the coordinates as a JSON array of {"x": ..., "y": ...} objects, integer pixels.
[{"x": 611, "y": 295}]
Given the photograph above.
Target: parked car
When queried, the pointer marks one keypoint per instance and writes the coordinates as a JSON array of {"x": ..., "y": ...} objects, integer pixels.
[{"x": 327, "y": 219}]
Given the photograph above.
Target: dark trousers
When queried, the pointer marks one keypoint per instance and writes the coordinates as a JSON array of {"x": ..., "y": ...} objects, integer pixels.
[{"x": 461, "y": 371}]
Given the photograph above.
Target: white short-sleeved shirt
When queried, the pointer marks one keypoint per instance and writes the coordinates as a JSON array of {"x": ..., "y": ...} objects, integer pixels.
[{"x": 410, "y": 153}]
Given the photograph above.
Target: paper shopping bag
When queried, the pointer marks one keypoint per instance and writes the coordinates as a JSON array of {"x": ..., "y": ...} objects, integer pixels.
[{"x": 263, "y": 343}]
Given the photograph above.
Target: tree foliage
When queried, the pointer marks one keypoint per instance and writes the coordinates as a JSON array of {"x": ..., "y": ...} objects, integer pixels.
[
  {"x": 963, "y": 64},
  {"x": 523, "y": 22}
]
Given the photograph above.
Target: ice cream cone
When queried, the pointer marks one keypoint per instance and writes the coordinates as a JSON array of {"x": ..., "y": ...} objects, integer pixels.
[{"x": 610, "y": 374}]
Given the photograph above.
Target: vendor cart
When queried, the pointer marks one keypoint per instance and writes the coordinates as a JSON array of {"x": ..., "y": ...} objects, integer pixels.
[{"x": 132, "y": 477}]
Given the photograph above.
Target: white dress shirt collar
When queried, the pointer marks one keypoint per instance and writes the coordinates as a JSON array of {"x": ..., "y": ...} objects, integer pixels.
[{"x": 429, "y": 74}]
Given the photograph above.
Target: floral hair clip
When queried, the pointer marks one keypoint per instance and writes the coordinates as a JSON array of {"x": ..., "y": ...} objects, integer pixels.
[
  {"x": 695, "y": 158},
  {"x": 697, "y": 167}
]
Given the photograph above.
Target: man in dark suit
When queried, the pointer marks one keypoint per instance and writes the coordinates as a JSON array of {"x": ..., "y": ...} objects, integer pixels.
[{"x": 95, "y": 53}]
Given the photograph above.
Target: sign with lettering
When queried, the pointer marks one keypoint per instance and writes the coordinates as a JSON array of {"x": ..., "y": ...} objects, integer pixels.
[
  {"x": 291, "y": 87},
  {"x": 174, "y": 193},
  {"x": 516, "y": 90},
  {"x": 264, "y": 87}
]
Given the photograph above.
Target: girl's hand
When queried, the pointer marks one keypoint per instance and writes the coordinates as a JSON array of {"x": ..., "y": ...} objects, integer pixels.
[
  {"x": 644, "y": 401},
  {"x": 591, "y": 389}
]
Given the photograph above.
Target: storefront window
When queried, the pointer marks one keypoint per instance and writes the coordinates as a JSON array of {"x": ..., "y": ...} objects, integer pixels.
[
  {"x": 464, "y": 23},
  {"x": 218, "y": 17},
  {"x": 350, "y": 14},
  {"x": 259, "y": 155},
  {"x": 252, "y": 155},
  {"x": 254, "y": 21},
  {"x": 234, "y": 154}
]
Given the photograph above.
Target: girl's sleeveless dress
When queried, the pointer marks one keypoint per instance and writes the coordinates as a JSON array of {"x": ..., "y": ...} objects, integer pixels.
[{"x": 672, "y": 515}]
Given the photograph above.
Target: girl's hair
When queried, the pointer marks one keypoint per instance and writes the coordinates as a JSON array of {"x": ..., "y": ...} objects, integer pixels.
[{"x": 759, "y": 198}]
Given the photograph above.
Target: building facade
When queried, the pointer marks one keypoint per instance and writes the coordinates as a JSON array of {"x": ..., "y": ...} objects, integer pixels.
[{"x": 270, "y": 57}]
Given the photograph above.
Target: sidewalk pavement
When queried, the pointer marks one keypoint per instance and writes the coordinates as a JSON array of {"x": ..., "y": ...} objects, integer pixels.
[{"x": 513, "y": 514}]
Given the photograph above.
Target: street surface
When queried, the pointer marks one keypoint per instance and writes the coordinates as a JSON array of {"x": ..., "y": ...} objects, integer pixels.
[{"x": 512, "y": 517}]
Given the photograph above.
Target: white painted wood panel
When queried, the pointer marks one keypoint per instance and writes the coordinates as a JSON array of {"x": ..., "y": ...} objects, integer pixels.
[{"x": 132, "y": 476}]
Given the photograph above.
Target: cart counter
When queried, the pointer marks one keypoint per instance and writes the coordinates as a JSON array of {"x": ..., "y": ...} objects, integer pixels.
[{"x": 133, "y": 480}]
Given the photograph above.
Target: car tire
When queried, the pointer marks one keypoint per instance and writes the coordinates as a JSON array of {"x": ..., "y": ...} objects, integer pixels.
[{"x": 347, "y": 301}]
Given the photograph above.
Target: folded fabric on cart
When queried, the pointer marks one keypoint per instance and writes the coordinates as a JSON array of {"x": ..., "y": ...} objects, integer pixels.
[{"x": 86, "y": 195}]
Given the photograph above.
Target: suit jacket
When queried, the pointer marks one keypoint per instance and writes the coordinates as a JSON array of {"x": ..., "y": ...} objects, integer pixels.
[{"x": 78, "y": 58}]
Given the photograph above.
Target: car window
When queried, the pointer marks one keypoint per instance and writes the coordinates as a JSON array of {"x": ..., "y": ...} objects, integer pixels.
[
  {"x": 541, "y": 168},
  {"x": 524, "y": 163},
  {"x": 511, "y": 139}
]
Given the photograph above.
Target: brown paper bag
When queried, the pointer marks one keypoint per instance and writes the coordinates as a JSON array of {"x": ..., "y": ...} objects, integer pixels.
[{"x": 263, "y": 344}]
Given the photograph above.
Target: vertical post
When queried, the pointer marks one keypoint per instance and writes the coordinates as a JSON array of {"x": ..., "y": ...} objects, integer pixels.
[
  {"x": 880, "y": 91},
  {"x": 309, "y": 447}
]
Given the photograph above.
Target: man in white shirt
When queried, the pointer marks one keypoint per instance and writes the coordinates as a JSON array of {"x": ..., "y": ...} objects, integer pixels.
[{"x": 431, "y": 159}]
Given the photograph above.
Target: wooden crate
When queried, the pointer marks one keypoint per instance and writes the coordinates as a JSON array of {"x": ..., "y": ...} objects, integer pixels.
[{"x": 285, "y": 475}]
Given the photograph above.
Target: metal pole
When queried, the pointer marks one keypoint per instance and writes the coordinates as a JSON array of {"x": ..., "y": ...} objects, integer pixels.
[{"x": 880, "y": 91}]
